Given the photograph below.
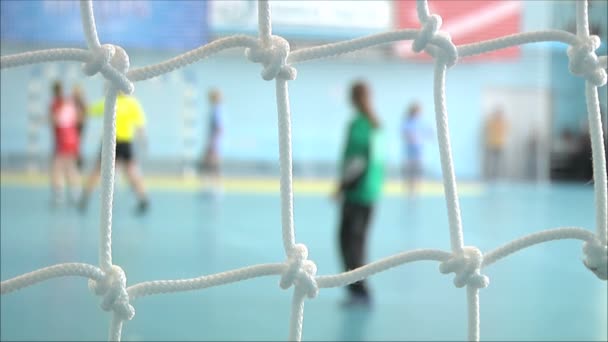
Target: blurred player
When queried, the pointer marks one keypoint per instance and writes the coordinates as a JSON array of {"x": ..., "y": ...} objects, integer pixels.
[
  {"x": 360, "y": 187},
  {"x": 64, "y": 118},
  {"x": 130, "y": 122},
  {"x": 495, "y": 138},
  {"x": 414, "y": 132},
  {"x": 81, "y": 110},
  {"x": 211, "y": 157}
]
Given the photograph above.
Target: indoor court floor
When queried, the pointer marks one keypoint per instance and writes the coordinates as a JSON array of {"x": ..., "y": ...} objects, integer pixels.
[{"x": 541, "y": 293}]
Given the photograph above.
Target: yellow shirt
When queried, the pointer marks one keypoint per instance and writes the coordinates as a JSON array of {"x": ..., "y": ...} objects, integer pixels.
[
  {"x": 129, "y": 116},
  {"x": 496, "y": 132}
]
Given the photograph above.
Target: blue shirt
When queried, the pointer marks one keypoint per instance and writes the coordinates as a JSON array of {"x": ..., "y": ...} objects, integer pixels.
[
  {"x": 215, "y": 121},
  {"x": 414, "y": 131}
]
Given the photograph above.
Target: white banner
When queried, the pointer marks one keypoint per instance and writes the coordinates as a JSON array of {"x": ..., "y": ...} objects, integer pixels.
[{"x": 304, "y": 18}]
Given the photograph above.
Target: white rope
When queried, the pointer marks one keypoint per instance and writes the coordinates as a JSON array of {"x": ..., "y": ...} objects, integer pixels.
[
  {"x": 115, "y": 332},
  {"x": 536, "y": 238},
  {"x": 113, "y": 289},
  {"x": 473, "y": 312},
  {"x": 264, "y": 22},
  {"x": 466, "y": 265},
  {"x": 88, "y": 24},
  {"x": 422, "y": 9},
  {"x": 300, "y": 272},
  {"x": 584, "y": 62},
  {"x": 181, "y": 285},
  {"x": 55, "y": 271},
  {"x": 285, "y": 164},
  {"x": 335, "y": 49},
  {"x": 108, "y": 155},
  {"x": 41, "y": 56},
  {"x": 190, "y": 57},
  {"x": 603, "y": 62},
  {"x": 582, "y": 19},
  {"x": 273, "y": 53},
  {"x": 445, "y": 153},
  {"x": 599, "y": 160},
  {"x": 515, "y": 40},
  {"x": 296, "y": 318},
  {"x": 596, "y": 259},
  {"x": 378, "y": 266}
]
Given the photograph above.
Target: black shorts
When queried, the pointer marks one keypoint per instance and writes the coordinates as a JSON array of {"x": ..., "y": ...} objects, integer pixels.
[{"x": 124, "y": 151}]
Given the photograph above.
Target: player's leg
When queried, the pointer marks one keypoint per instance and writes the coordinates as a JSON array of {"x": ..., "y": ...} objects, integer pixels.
[
  {"x": 411, "y": 160},
  {"x": 405, "y": 173},
  {"x": 56, "y": 180},
  {"x": 90, "y": 185},
  {"x": 345, "y": 235},
  {"x": 353, "y": 232},
  {"x": 411, "y": 175},
  {"x": 124, "y": 153},
  {"x": 73, "y": 176},
  {"x": 135, "y": 179},
  {"x": 358, "y": 240},
  {"x": 137, "y": 184},
  {"x": 207, "y": 166},
  {"x": 499, "y": 163},
  {"x": 486, "y": 163},
  {"x": 493, "y": 165},
  {"x": 416, "y": 175},
  {"x": 79, "y": 159},
  {"x": 214, "y": 170}
]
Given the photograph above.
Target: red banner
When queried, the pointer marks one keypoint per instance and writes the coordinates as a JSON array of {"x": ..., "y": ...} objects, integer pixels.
[{"x": 467, "y": 21}]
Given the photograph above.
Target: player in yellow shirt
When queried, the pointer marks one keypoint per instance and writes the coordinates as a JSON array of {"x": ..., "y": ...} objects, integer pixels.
[
  {"x": 130, "y": 122},
  {"x": 496, "y": 131}
]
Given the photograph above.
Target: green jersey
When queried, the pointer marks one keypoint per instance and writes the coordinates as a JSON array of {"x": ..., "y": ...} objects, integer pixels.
[{"x": 365, "y": 141}]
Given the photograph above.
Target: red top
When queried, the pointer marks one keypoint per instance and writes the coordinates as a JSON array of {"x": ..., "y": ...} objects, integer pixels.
[{"x": 65, "y": 122}]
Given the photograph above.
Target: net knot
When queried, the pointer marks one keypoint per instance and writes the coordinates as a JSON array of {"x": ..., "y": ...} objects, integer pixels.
[
  {"x": 585, "y": 63},
  {"x": 113, "y": 62},
  {"x": 596, "y": 258},
  {"x": 100, "y": 57},
  {"x": 435, "y": 42},
  {"x": 429, "y": 29},
  {"x": 114, "y": 291},
  {"x": 300, "y": 272},
  {"x": 274, "y": 59},
  {"x": 467, "y": 267}
]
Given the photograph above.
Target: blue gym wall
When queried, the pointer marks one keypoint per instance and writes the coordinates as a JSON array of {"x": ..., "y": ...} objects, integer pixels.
[{"x": 318, "y": 100}]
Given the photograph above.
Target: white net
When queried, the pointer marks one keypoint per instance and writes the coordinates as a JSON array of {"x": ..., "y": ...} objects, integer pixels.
[{"x": 109, "y": 280}]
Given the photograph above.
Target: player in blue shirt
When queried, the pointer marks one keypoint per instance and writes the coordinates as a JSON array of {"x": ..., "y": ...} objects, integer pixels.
[
  {"x": 211, "y": 158},
  {"x": 414, "y": 132}
]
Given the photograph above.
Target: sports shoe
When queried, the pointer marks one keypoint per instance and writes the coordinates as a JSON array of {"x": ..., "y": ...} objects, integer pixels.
[
  {"x": 142, "y": 207},
  {"x": 57, "y": 198},
  {"x": 83, "y": 203},
  {"x": 353, "y": 301}
]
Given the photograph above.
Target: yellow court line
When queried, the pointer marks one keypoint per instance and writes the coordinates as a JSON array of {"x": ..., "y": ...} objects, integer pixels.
[{"x": 249, "y": 185}]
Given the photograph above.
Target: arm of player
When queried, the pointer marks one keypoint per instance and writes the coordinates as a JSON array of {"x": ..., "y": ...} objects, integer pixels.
[
  {"x": 356, "y": 159},
  {"x": 51, "y": 118},
  {"x": 96, "y": 109},
  {"x": 353, "y": 172}
]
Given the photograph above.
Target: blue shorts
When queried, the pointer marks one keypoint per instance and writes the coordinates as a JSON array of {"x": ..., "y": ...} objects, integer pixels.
[{"x": 414, "y": 152}]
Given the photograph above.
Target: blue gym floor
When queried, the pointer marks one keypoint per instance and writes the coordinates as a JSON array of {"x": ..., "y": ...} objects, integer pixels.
[{"x": 542, "y": 293}]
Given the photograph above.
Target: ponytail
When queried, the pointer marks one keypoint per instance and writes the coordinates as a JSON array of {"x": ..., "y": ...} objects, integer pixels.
[{"x": 360, "y": 99}]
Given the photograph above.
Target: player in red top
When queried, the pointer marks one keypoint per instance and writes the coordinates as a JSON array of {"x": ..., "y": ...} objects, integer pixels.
[{"x": 64, "y": 118}]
